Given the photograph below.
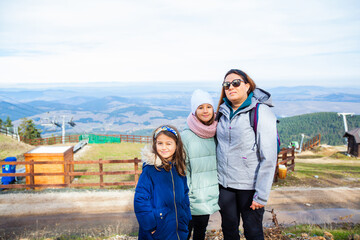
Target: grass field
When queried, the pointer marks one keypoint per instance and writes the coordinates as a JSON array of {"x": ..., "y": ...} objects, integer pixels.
[
  {"x": 323, "y": 167},
  {"x": 111, "y": 151},
  {"x": 318, "y": 172}
]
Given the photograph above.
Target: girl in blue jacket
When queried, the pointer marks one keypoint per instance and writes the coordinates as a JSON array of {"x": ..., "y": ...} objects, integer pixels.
[{"x": 161, "y": 199}]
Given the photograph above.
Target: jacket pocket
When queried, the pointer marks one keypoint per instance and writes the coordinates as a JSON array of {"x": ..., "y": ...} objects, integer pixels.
[
  {"x": 161, "y": 222},
  {"x": 251, "y": 164}
]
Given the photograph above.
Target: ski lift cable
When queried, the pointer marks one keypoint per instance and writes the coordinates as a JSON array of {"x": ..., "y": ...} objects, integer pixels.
[
  {"x": 19, "y": 110},
  {"x": 28, "y": 106}
]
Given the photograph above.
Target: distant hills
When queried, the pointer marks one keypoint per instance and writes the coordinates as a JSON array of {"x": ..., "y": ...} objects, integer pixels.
[
  {"x": 329, "y": 125},
  {"x": 137, "y": 108}
]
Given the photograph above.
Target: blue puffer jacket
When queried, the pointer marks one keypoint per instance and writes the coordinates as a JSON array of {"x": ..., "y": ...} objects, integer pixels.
[{"x": 161, "y": 201}]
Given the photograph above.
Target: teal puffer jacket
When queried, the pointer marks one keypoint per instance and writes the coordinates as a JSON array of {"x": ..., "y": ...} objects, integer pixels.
[{"x": 201, "y": 173}]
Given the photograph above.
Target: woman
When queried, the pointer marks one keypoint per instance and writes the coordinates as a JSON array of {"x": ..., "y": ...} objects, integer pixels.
[
  {"x": 246, "y": 159},
  {"x": 199, "y": 143}
]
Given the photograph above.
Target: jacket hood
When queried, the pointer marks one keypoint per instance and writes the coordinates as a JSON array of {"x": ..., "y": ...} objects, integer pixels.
[
  {"x": 262, "y": 96},
  {"x": 149, "y": 157},
  {"x": 259, "y": 96}
]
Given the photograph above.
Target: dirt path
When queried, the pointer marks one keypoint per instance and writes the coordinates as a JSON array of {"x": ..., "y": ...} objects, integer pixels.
[{"x": 106, "y": 212}]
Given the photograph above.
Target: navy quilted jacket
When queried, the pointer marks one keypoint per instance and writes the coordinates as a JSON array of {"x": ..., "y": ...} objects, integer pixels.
[{"x": 161, "y": 201}]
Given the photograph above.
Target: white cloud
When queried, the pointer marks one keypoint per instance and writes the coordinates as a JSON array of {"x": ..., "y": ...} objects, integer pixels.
[{"x": 93, "y": 40}]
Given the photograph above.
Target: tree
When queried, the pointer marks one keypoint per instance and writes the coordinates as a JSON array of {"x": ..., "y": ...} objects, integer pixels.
[
  {"x": 1, "y": 122},
  {"x": 28, "y": 130},
  {"x": 8, "y": 122}
]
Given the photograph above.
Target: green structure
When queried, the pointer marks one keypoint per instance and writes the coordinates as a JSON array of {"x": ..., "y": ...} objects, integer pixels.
[{"x": 98, "y": 139}]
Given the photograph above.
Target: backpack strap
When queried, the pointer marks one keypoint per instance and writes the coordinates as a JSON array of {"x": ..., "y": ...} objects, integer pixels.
[
  {"x": 254, "y": 117},
  {"x": 218, "y": 116}
]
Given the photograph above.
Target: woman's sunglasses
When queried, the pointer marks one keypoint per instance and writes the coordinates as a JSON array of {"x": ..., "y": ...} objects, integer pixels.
[{"x": 235, "y": 83}]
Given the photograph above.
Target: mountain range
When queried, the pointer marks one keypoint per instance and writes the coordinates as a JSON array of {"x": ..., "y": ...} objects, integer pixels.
[{"x": 140, "y": 107}]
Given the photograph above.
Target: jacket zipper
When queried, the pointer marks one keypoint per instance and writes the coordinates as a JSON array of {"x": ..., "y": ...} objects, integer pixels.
[
  {"x": 227, "y": 159},
  {"x": 172, "y": 178}
]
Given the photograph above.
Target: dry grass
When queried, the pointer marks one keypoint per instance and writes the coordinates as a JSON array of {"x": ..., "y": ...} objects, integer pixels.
[
  {"x": 110, "y": 151},
  {"x": 9, "y": 147}
]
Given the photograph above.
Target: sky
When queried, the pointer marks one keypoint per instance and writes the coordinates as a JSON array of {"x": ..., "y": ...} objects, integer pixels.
[{"x": 276, "y": 42}]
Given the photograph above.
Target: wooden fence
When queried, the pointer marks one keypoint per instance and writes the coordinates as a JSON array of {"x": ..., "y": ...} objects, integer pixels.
[
  {"x": 315, "y": 141},
  {"x": 69, "y": 175},
  {"x": 75, "y": 139},
  {"x": 51, "y": 140},
  {"x": 134, "y": 138},
  {"x": 286, "y": 157},
  {"x": 8, "y": 132}
]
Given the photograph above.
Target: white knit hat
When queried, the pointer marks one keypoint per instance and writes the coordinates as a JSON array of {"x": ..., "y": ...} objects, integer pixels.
[{"x": 200, "y": 97}]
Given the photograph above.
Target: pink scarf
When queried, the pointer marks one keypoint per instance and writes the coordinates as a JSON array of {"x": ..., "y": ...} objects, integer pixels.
[{"x": 201, "y": 129}]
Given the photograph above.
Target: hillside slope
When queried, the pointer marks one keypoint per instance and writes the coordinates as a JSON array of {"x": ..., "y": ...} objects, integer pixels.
[
  {"x": 328, "y": 124},
  {"x": 9, "y": 147}
]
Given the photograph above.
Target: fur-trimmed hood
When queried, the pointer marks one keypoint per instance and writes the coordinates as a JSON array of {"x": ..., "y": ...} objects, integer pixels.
[{"x": 149, "y": 157}]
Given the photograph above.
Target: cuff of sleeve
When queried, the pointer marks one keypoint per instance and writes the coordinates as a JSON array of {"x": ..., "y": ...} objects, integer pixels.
[{"x": 260, "y": 200}]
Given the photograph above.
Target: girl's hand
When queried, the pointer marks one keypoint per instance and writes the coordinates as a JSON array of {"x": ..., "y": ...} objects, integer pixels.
[
  {"x": 153, "y": 232},
  {"x": 256, "y": 205}
]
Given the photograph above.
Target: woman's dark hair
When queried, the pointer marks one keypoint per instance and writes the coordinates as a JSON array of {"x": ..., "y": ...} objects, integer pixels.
[
  {"x": 244, "y": 77},
  {"x": 179, "y": 155}
]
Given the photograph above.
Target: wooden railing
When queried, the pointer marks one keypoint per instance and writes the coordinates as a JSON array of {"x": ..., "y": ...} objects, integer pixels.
[
  {"x": 69, "y": 174},
  {"x": 51, "y": 140},
  {"x": 285, "y": 157},
  {"x": 135, "y": 138},
  {"x": 75, "y": 139},
  {"x": 315, "y": 141},
  {"x": 7, "y": 132}
]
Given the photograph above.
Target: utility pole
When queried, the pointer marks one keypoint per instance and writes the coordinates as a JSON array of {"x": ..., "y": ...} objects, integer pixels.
[
  {"x": 63, "y": 130},
  {"x": 344, "y": 118}
]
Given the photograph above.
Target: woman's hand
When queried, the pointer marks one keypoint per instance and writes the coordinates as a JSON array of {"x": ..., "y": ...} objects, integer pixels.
[{"x": 256, "y": 205}]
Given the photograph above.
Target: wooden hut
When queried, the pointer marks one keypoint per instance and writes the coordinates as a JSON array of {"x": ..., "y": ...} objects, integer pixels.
[
  {"x": 353, "y": 137},
  {"x": 50, "y": 153}
]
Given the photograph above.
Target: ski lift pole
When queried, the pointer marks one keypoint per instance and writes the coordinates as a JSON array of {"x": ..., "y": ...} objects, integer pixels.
[{"x": 63, "y": 130}]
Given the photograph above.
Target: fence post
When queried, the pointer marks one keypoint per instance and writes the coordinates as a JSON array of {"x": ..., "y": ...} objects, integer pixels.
[
  {"x": 293, "y": 160},
  {"x": 284, "y": 157},
  {"x": 101, "y": 173},
  {"x": 136, "y": 167},
  {"x": 32, "y": 180}
]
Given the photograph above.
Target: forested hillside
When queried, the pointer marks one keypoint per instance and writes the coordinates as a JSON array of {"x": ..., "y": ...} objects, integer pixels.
[{"x": 328, "y": 124}]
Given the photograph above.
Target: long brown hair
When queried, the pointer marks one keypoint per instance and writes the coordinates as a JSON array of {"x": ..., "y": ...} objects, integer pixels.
[
  {"x": 179, "y": 155},
  {"x": 244, "y": 77}
]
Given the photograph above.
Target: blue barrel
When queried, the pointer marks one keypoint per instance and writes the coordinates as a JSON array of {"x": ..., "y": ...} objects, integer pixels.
[{"x": 8, "y": 169}]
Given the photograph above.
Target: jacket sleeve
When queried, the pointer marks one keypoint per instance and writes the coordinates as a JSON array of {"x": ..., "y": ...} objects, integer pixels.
[
  {"x": 187, "y": 160},
  {"x": 267, "y": 146},
  {"x": 142, "y": 202}
]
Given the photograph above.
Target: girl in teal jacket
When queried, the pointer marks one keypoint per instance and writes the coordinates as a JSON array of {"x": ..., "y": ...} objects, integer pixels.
[{"x": 199, "y": 143}]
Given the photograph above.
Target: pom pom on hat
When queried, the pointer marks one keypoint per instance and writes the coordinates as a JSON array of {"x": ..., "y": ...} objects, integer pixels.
[{"x": 200, "y": 97}]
